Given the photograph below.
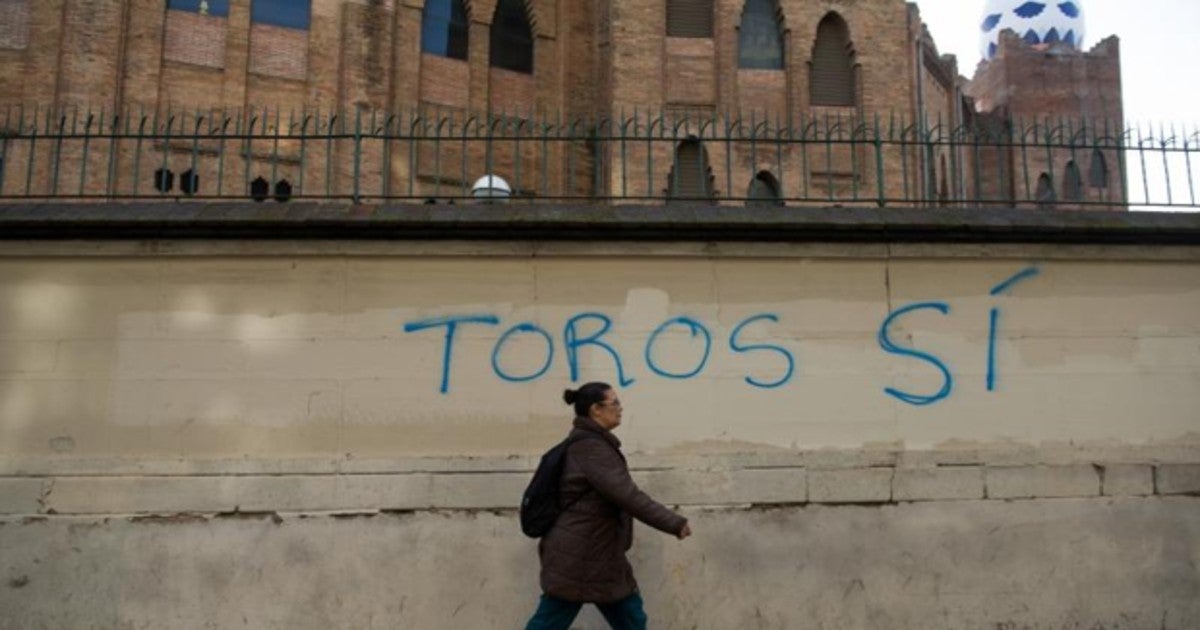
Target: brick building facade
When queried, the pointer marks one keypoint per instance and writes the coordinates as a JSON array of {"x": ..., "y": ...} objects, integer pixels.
[{"x": 686, "y": 78}]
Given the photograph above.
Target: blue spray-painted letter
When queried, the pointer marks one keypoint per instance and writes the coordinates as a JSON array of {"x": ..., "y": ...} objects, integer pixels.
[
  {"x": 527, "y": 327},
  {"x": 994, "y": 320},
  {"x": 451, "y": 323},
  {"x": 886, "y": 343},
  {"x": 573, "y": 342},
  {"x": 737, "y": 347},
  {"x": 696, "y": 328}
]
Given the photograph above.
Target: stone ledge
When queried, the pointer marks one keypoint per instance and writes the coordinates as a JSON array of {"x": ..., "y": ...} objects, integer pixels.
[
  {"x": 58, "y": 220},
  {"x": 1036, "y": 482},
  {"x": 852, "y": 485},
  {"x": 59, "y": 465},
  {"x": 1127, "y": 480},
  {"x": 485, "y": 490},
  {"x": 1177, "y": 479},
  {"x": 938, "y": 484},
  {"x": 21, "y": 495},
  {"x": 766, "y": 486}
]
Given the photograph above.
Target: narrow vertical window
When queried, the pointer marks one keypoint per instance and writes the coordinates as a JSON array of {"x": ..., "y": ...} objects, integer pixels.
[
  {"x": 1045, "y": 190},
  {"x": 14, "y": 24},
  {"x": 511, "y": 45},
  {"x": 831, "y": 79},
  {"x": 295, "y": 14},
  {"x": 943, "y": 183},
  {"x": 760, "y": 37},
  {"x": 1072, "y": 182},
  {"x": 689, "y": 18},
  {"x": 279, "y": 38},
  {"x": 690, "y": 176},
  {"x": 215, "y": 8},
  {"x": 764, "y": 190},
  {"x": 195, "y": 32},
  {"x": 444, "y": 29},
  {"x": 1098, "y": 170}
]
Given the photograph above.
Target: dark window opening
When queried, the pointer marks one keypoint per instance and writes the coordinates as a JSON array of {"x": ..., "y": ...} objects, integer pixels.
[
  {"x": 164, "y": 180},
  {"x": 216, "y": 8},
  {"x": 1072, "y": 183},
  {"x": 189, "y": 182},
  {"x": 295, "y": 14},
  {"x": 1098, "y": 170},
  {"x": 1045, "y": 190},
  {"x": 760, "y": 37},
  {"x": 943, "y": 184},
  {"x": 764, "y": 191},
  {"x": 690, "y": 176},
  {"x": 445, "y": 30},
  {"x": 511, "y": 45},
  {"x": 260, "y": 189},
  {"x": 283, "y": 190},
  {"x": 831, "y": 78},
  {"x": 689, "y": 18}
]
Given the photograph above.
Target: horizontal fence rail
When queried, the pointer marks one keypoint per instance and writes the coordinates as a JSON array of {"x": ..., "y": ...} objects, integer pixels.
[{"x": 834, "y": 157}]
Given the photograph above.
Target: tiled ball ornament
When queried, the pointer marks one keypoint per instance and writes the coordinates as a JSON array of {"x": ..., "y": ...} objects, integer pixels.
[{"x": 1035, "y": 21}]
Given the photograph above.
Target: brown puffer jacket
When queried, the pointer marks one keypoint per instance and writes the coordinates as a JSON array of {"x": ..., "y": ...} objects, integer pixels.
[{"x": 583, "y": 555}]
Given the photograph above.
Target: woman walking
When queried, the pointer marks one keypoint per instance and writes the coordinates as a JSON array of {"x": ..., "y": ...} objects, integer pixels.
[{"x": 583, "y": 554}]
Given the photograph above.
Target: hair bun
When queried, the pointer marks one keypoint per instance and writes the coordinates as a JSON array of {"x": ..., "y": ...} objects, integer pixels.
[{"x": 570, "y": 395}]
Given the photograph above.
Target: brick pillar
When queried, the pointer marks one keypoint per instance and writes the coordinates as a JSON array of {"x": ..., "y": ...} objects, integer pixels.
[{"x": 366, "y": 70}]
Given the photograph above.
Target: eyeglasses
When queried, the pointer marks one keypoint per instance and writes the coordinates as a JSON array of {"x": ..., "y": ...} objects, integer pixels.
[{"x": 611, "y": 403}]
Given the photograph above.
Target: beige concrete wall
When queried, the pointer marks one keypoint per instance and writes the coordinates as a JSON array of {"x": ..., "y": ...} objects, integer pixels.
[
  {"x": 945, "y": 566},
  {"x": 199, "y": 434},
  {"x": 283, "y": 356}
]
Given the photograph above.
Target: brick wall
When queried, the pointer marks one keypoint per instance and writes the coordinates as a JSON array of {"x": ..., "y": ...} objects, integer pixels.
[
  {"x": 511, "y": 92},
  {"x": 1062, "y": 93},
  {"x": 763, "y": 91},
  {"x": 14, "y": 24},
  {"x": 195, "y": 39},
  {"x": 690, "y": 72},
  {"x": 614, "y": 57},
  {"x": 445, "y": 81},
  {"x": 278, "y": 52}
]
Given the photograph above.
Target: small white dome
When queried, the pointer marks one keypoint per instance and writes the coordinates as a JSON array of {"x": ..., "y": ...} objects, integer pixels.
[
  {"x": 1035, "y": 21},
  {"x": 491, "y": 186}
]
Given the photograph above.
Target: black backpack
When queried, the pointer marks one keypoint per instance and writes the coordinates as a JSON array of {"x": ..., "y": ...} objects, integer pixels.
[{"x": 539, "y": 505}]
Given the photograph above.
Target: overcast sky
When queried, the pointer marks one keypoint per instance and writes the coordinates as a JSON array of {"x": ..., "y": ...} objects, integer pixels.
[{"x": 1160, "y": 49}]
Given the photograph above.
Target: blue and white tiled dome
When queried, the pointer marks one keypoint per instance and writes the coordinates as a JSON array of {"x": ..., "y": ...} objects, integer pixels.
[{"x": 1035, "y": 21}]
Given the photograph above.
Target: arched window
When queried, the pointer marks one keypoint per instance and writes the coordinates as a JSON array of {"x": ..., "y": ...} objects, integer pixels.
[
  {"x": 295, "y": 14},
  {"x": 760, "y": 37},
  {"x": 444, "y": 28},
  {"x": 690, "y": 176},
  {"x": 511, "y": 37},
  {"x": 216, "y": 8},
  {"x": 689, "y": 18},
  {"x": 14, "y": 24},
  {"x": 764, "y": 190},
  {"x": 1045, "y": 190},
  {"x": 831, "y": 80},
  {"x": 1072, "y": 182},
  {"x": 1098, "y": 170}
]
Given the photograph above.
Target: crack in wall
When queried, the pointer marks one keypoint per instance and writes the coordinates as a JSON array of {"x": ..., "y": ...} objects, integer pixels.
[{"x": 47, "y": 488}]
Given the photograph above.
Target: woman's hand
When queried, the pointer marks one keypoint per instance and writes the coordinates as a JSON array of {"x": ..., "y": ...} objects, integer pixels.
[{"x": 685, "y": 532}]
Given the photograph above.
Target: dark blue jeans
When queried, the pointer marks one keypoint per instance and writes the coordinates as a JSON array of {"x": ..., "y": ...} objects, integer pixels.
[{"x": 556, "y": 614}]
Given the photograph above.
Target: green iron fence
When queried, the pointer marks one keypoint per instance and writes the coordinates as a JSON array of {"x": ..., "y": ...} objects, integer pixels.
[{"x": 839, "y": 157}]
